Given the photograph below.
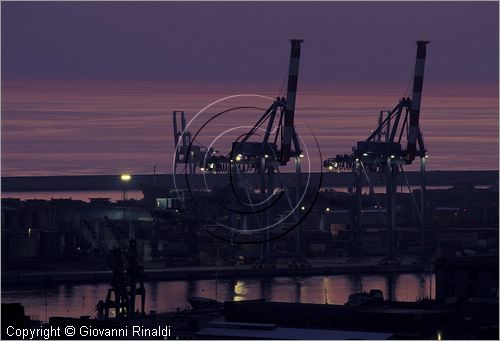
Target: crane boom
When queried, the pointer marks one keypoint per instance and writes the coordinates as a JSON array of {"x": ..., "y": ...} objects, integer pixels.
[
  {"x": 418, "y": 82},
  {"x": 288, "y": 127}
]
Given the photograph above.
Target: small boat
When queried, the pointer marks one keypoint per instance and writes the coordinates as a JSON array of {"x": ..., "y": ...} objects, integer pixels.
[
  {"x": 375, "y": 296},
  {"x": 199, "y": 303}
]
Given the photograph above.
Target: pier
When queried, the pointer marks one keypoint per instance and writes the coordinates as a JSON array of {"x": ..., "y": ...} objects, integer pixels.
[{"x": 112, "y": 182}]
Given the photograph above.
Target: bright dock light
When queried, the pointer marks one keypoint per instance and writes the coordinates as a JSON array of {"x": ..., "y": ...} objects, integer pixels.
[{"x": 126, "y": 177}]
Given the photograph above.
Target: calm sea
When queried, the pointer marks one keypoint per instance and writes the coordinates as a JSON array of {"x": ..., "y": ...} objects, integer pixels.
[{"x": 83, "y": 127}]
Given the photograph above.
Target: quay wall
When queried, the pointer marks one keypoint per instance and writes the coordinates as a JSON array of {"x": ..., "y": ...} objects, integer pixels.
[
  {"x": 166, "y": 181},
  {"x": 194, "y": 273}
]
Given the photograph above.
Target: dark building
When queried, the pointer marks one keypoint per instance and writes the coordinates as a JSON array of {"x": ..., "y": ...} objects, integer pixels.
[{"x": 467, "y": 277}]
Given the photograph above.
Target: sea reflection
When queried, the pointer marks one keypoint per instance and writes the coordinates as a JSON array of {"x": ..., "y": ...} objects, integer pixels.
[
  {"x": 56, "y": 128},
  {"x": 78, "y": 300}
]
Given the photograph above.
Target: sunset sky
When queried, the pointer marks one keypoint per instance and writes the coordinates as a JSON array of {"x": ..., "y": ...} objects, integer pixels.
[{"x": 88, "y": 87}]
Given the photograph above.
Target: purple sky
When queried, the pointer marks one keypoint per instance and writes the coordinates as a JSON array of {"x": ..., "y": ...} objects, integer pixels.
[{"x": 206, "y": 42}]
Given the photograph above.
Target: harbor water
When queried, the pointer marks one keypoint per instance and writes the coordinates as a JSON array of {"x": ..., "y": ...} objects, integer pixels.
[{"x": 80, "y": 299}]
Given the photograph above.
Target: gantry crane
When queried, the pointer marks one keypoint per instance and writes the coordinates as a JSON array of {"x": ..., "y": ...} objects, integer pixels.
[
  {"x": 275, "y": 152},
  {"x": 382, "y": 152},
  {"x": 183, "y": 146},
  {"x": 278, "y": 145}
]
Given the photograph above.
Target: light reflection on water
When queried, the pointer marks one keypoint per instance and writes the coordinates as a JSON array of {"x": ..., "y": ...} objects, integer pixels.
[{"x": 77, "y": 300}]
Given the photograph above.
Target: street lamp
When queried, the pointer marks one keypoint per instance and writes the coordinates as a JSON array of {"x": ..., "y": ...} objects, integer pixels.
[{"x": 125, "y": 179}]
